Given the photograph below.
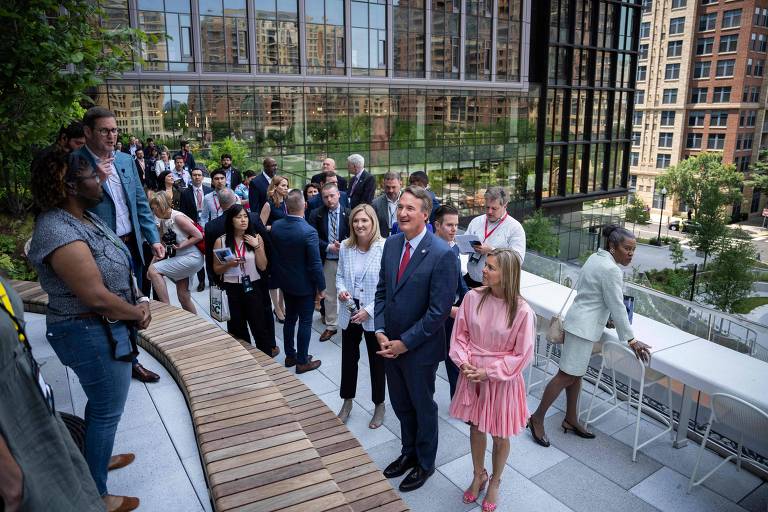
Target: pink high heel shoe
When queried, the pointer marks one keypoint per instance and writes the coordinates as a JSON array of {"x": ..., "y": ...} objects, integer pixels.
[
  {"x": 487, "y": 505},
  {"x": 471, "y": 498}
]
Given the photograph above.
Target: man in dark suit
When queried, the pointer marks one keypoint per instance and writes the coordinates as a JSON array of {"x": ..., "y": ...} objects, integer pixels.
[
  {"x": 232, "y": 175},
  {"x": 385, "y": 205},
  {"x": 186, "y": 154},
  {"x": 298, "y": 271},
  {"x": 362, "y": 184},
  {"x": 257, "y": 190},
  {"x": 191, "y": 205},
  {"x": 446, "y": 226},
  {"x": 124, "y": 207},
  {"x": 216, "y": 228},
  {"x": 332, "y": 224},
  {"x": 316, "y": 201},
  {"x": 417, "y": 284},
  {"x": 329, "y": 166}
]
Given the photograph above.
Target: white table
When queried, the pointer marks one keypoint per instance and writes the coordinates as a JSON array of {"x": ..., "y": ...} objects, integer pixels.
[{"x": 527, "y": 279}]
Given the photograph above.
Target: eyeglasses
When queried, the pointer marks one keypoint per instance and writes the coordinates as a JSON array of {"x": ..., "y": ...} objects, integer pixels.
[{"x": 105, "y": 131}]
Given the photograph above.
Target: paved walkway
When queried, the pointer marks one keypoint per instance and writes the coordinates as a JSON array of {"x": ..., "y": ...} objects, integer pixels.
[{"x": 573, "y": 474}]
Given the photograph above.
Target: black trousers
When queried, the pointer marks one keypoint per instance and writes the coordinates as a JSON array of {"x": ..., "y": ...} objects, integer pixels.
[
  {"x": 350, "y": 355},
  {"x": 247, "y": 310}
]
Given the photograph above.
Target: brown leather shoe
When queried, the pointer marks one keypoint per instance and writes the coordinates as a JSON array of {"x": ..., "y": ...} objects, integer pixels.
[
  {"x": 275, "y": 352},
  {"x": 311, "y": 365},
  {"x": 120, "y": 503},
  {"x": 327, "y": 334},
  {"x": 120, "y": 461},
  {"x": 290, "y": 361},
  {"x": 140, "y": 373}
]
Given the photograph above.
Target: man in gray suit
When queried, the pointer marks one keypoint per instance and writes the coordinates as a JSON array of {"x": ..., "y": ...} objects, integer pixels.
[
  {"x": 124, "y": 207},
  {"x": 385, "y": 205}
]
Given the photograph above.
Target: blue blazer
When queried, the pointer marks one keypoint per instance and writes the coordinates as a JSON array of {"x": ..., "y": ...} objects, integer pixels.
[
  {"x": 296, "y": 265},
  {"x": 414, "y": 309},
  {"x": 142, "y": 218},
  {"x": 462, "y": 288},
  {"x": 257, "y": 193}
]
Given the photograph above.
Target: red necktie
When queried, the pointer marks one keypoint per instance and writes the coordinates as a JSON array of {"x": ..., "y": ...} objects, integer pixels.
[
  {"x": 199, "y": 195},
  {"x": 404, "y": 261}
]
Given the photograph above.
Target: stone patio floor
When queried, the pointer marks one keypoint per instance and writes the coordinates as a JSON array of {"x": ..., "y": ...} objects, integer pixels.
[{"x": 573, "y": 474}]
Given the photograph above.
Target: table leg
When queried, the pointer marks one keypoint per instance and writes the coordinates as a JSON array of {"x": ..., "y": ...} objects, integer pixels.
[{"x": 686, "y": 404}]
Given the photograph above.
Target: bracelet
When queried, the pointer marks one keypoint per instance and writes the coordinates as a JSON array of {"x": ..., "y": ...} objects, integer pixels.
[{"x": 142, "y": 300}]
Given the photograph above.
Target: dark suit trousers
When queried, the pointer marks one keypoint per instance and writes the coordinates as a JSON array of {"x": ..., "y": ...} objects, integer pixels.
[
  {"x": 301, "y": 308},
  {"x": 350, "y": 355},
  {"x": 247, "y": 310},
  {"x": 450, "y": 368},
  {"x": 411, "y": 391}
]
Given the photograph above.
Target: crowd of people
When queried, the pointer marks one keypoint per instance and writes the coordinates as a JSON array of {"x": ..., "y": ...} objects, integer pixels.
[{"x": 386, "y": 269}]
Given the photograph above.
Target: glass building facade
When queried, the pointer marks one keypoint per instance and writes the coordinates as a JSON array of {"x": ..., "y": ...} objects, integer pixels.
[{"x": 442, "y": 86}]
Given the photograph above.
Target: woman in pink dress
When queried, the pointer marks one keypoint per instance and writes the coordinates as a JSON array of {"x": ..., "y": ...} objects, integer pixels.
[{"x": 492, "y": 343}]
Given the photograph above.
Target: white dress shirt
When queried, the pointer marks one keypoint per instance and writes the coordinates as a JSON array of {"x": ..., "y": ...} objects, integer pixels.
[
  {"x": 508, "y": 234},
  {"x": 117, "y": 193}
]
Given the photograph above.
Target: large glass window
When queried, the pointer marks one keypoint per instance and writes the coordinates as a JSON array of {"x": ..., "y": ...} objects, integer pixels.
[
  {"x": 701, "y": 69},
  {"x": 707, "y": 21},
  {"x": 667, "y": 117},
  {"x": 665, "y": 139},
  {"x": 704, "y": 45},
  {"x": 716, "y": 141},
  {"x": 732, "y": 18},
  {"x": 325, "y": 45},
  {"x": 224, "y": 35},
  {"x": 693, "y": 141},
  {"x": 669, "y": 96},
  {"x": 277, "y": 36},
  {"x": 675, "y": 49},
  {"x": 699, "y": 95},
  {"x": 696, "y": 118},
  {"x": 369, "y": 38},
  {"x": 409, "y": 38},
  {"x": 446, "y": 39},
  {"x": 676, "y": 26},
  {"x": 508, "y": 33},
  {"x": 672, "y": 72},
  {"x": 718, "y": 119},
  {"x": 729, "y": 43},
  {"x": 725, "y": 68},
  {"x": 721, "y": 95},
  {"x": 170, "y": 24},
  {"x": 478, "y": 44}
]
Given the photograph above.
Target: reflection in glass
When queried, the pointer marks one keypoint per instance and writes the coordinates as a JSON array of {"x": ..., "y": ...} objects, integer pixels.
[
  {"x": 277, "y": 36},
  {"x": 369, "y": 38},
  {"x": 409, "y": 42},
  {"x": 224, "y": 35},
  {"x": 446, "y": 50},
  {"x": 325, "y": 45},
  {"x": 170, "y": 24}
]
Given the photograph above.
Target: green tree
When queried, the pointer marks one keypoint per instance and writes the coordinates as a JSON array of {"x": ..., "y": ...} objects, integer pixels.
[
  {"x": 676, "y": 253},
  {"x": 237, "y": 148},
  {"x": 708, "y": 186},
  {"x": 55, "y": 51},
  {"x": 540, "y": 234},
  {"x": 636, "y": 212},
  {"x": 730, "y": 276},
  {"x": 758, "y": 177}
]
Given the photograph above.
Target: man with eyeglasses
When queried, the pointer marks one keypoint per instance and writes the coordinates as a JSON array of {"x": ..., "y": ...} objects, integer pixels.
[{"x": 124, "y": 207}]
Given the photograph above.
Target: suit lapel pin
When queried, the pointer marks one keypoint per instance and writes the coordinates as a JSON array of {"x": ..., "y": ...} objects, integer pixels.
[{"x": 423, "y": 251}]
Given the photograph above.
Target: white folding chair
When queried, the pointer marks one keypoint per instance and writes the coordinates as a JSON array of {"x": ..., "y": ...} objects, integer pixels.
[
  {"x": 621, "y": 359},
  {"x": 738, "y": 414},
  {"x": 540, "y": 343}
]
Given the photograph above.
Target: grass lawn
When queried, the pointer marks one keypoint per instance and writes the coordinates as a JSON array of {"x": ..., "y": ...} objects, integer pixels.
[{"x": 748, "y": 304}]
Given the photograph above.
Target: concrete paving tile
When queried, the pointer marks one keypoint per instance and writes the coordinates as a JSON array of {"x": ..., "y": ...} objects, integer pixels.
[
  {"x": 727, "y": 481},
  {"x": 584, "y": 490},
  {"x": 175, "y": 416},
  {"x": 439, "y": 494},
  {"x": 358, "y": 422},
  {"x": 516, "y": 491},
  {"x": 604, "y": 454},
  {"x": 528, "y": 458},
  {"x": 757, "y": 501},
  {"x": 317, "y": 382},
  {"x": 612, "y": 422},
  {"x": 666, "y": 490},
  {"x": 194, "y": 469},
  {"x": 139, "y": 408},
  {"x": 452, "y": 443}
]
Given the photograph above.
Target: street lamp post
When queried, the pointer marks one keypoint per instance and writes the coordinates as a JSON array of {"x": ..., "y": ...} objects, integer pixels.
[{"x": 661, "y": 214}]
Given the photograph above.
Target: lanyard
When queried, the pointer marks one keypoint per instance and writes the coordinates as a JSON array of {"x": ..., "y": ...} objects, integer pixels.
[
  {"x": 9, "y": 308},
  {"x": 488, "y": 234},
  {"x": 216, "y": 204},
  {"x": 240, "y": 253}
]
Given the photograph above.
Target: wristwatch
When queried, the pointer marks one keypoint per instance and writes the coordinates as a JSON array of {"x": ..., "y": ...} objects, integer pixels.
[{"x": 143, "y": 299}]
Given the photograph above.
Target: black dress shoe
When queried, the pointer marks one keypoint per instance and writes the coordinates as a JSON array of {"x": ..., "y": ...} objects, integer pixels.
[
  {"x": 140, "y": 373},
  {"x": 542, "y": 441},
  {"x": 415, "y": 479},
  {"x": 201, "y": 286},
  {"x": 402, "y": 464}
]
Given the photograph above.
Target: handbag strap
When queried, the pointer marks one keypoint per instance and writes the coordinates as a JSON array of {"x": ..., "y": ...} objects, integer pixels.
[{"x": 562, "y": 308}]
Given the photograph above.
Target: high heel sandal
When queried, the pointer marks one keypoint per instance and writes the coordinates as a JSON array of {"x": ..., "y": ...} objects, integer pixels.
[
  {"x": 468, "y": 496},
  {"x": 567, "y": 427},
  {"x": 487, "y": 505},
  {"x": 542, "y": 441}
]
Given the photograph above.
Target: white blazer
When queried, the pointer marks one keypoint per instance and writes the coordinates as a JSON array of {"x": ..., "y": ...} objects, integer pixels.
[
  {"x": 599, "y": 295},
  {"x": 370, "y": 281}
]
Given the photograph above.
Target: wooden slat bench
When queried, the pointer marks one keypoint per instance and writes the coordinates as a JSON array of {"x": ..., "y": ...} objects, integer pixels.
[{"x": 266, "y": 441}]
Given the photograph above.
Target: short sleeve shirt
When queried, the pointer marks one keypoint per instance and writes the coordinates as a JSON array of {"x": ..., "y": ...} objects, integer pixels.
[{"x": 56, "y": 228}]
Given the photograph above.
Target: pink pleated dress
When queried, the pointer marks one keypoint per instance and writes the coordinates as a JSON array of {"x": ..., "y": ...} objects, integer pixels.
[{"x": 497, "y": 405}]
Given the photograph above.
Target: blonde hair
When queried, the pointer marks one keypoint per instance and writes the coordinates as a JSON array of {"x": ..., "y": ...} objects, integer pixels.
[
  {"x": 272, "y": 189},
  {"x": 160, "y": 201},
  {"x": 369, "y": 211},
  {"x": 509, "y": 265}
]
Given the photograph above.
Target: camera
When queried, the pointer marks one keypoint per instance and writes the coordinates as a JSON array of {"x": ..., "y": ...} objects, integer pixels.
[{"x": 169, "y": 241}]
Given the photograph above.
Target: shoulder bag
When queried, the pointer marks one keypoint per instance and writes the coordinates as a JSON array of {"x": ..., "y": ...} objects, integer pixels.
[{"x": 555, "y": 332}]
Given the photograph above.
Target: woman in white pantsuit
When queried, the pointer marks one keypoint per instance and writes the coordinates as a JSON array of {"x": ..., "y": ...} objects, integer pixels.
[{"x": 599, "y": 296}]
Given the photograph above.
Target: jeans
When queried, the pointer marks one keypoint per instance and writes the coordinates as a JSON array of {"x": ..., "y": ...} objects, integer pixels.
[
  {"x": 82, "y": 345},
  {"x": 298, "y": 307}
]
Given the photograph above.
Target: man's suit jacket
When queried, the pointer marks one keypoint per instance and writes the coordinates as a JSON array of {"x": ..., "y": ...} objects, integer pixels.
[
  {"x": 435, "y": 205},
  {"x": 462, "y": 288},
  {"x": 257, "y": 193},
  {"x": 414, "y": 309},
  {"x": 217, "y": 227},
  {"x": 189, "y": 159},
  {"x": 381, "y": 207},
  {"x": 296, "y": 265},
  {"x": 318, "y": 219},
  {"x": 235, "y": 178},
  {"x": 318, "y": 178},
  {"x": 361, "y": 188},
  {"x": 142, "y": 218},
  {"x": 188, "y": 202},
  {"x": 316, "y": 202}
]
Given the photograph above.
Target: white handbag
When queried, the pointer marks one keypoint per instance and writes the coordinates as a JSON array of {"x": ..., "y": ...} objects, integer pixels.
[
  {"x": 219, "y": 304},
  {"x": 555, "y": 332}
]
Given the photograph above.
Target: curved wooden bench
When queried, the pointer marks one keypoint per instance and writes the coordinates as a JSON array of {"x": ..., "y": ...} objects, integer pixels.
[{"x": 267, "y": 442}]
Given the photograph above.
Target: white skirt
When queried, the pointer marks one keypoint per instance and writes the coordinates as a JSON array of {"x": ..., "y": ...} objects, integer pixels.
[
  {"x": 187, "y": 261},
  {"x": 575, "y": 355}
]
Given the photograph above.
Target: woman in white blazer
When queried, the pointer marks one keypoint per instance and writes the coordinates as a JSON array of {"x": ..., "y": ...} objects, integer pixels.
[
  {"x": 163, "y": 163},
  {"x": 599, "y": 296},
  {"x": 356, "y": 279}
]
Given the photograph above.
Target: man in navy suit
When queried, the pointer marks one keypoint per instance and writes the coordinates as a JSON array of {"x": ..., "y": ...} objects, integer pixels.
[
  {"x": 362, "y": 184},
  {"x": 332, "y": 224},
  {"x": 416, "y": 289},
  {"x": 329, "y": 166},
  {"x": 298, "y": 271},
  {"x": 316, "y": 201},
  {"x": 257, "y": 190},
  {"x": 446, "y": 226},
  {"x": 124, "y": 207},
  {"x": 191, "y": 205}
]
